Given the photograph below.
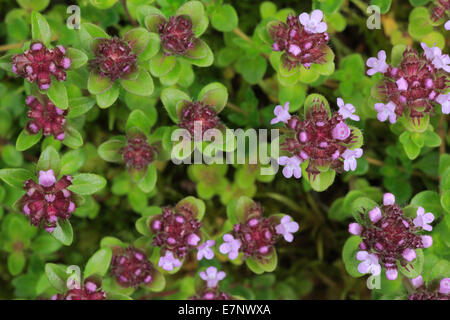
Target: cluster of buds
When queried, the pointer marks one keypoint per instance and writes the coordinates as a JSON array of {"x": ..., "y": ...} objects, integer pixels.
[
  {"x": 176, "y": 35},
  {"x": 320, "y": 138},
  {"x": 414, "y": 86},
  {"x": 197, "y": 117},
  {"x": 177, "y": 231},
  {"x": 389, "y": 238},
  {"x": 423, "y": 292},
  {"x": 47, "y": 201},
  {"x": 49, "y": 118},
  {"x": 138, "y": 153},
  {"x": 114, "y": 58},
  {"x": 91, "y": 290},
  {"x": 256, "y": 236},
  {"x": 303, "y": 39},
  {"x": 211, "y": 290},
  {"x": 132, "y": 268},
  {"x": 439, "y": 11},
  {"x": 39, "y": 63}
]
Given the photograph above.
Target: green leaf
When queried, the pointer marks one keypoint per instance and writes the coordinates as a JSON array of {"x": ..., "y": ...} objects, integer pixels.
[
  {"x": 170, "y": 97},
  {"x": 57, "y": 93},
  {"x": 153, "y": 20},
  {"x": 98, "y": 84},
  {"x": 197, "y": 205},
  {"x": 195, "y": 10},
  {"x": 99, "y": 263},
  {"x": 79, "y": 106},
  {"x": 87, "y": 183},
  {"x": 138, "y": 119},
  {"x": 12, "y": 156},
  {"x": 430, "y": 201},
  {"x": 139, "y": 37},
  {"x": 107, "y": 98},
  {"x": 431, "y": 139},
  {"x": 147, "y": 184},
  {"x": 77, "y": 57},
  {"x": 63, "y": 232},
  {"x": 214, "y": 94},
  {"x": 37, "y": 5},
  {"x": 49, "y": 159},
  {"x": 321, "y": 181},
  {"x": 15, "y": 177},
  {"x": 73, "y": 138},
  {"x": 45, "y": 244},
  {"x": 26, "y": 140},
  {"x": 110, "y": 150},
  {"x": 142, "y": 86},
  {"x": 16, "y": 262},
  {"x": 267, "y": 9},
  {"x": 201, "y": 49},
  {"x": 57, "y": 276},
  {"x": 161, "y": 64},
  {"x": 40, "y": 30},
  {"x": 72, "y": 161},
  {"x": 254, "y": 266},
  {"x": 384, "y": 5},
  {"x": 152, "y": 48},
  {"x": 414, "y": 268},
  {"x": 252, "y": 67},
  {"x": 103, "y": 4},
  {"x": 351, "y": 247},
  {"x": 224, "y": 18}
]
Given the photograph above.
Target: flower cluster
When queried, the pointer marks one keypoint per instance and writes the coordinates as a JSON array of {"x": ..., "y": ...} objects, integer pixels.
[
  {"x": 320, "y": 138},
  {"x": 114, "y": 58},
  {"x": 197, "y": 117},
  {"x": 427, "y": 293},
  {"x": 177, "y": 231},
  {"x": 256, "y": 236},
  {"x": 176, "y": 35},
  {"x": 389, "y": 238},
  {"x": 131, "y": 268},
  {"x": 49, "y": 118},
  {"x": 137, "y": 153},
  {"x": 414, "y": 86},
  {"x": 303, "y": 39},
  {"x": 47, "y": 201},
  {"x": 91, "y": 290},
  {"x": 39, "y": 63},
  {"x": 442, "y": 6}
]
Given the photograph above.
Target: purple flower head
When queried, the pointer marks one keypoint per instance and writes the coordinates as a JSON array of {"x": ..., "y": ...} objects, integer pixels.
[
  {"x": 205, "y": 251},
  {"x": 430, "y": 291},
  {"x": 350, "y": 157},
  {"x": 91, "y": 290},
  {"x": 177, "y": 35},
  {"x": 292, "y": 166},
  {"x": 354, "y": 228},
  {"x": 347, "y": 110},
  {"x": 392, "y": 237},
  {"x": 439, "y": 60},
  {"x": 313, "y": 23},
  {"x": 377, "y": 65},
  {"x": 197, "y": 112},
  {"x": 444, "y": 286},
  {"x": 423, "y": 219},
  {"x": 132, "y": 268},
  {"x": 286, "y": 228},
  {"x": 369, "y": 263},
  {"x": 444, "y": 101},
  {"x": 230, "y": 246},
  {"x": 212, "y": 276},
  {"x": 341, "y": 131},
  {"x": 386, "y": 111},
  {"x": 168, "y": 262},
  {"x": 138, "y": 153},
  {"x": 447, "y": 25},
  {"x": 281, "y": 114},
  {"x": 47, "y": 178},
  {"x": 417, "y": 282}
]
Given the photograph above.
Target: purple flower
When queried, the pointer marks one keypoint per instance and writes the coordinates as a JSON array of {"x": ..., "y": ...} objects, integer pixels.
[
  {"x": 444, "y": 101},
  {"x": 212, "y": 277},
  {"x": 388, "y": 199},
  {"x": 294, "y": 49},
  {"x": 230, "y": 246},
  {"x": 281, "y": 114},
  {"x": 341, "y": 131},
  {"x": 427, "y": 241},
  {"x": 377, "y": 65},
  {"x": 205, "y": 251},
  {"x": 313, "y": 23},
  {"x": 423, "y": 219},
  {"x": 350, "y": 157},
  {"x": 375, "y": 215},
  {"x": 193, "y": 239},
  {"x": 369, "y": 263},
  {"x": 409, "y": 254},
  {"x": 287, "y": 227},
  {"x": 444, "y": 287},
  {"x": 354, "y": 228},
  {"x": 417, "y": 282},
  {"x": 391, "y": 274},
  {"x": 346, "y": 110},
  {"x": 292, "y": 166},
  {"x": 386, "y": 111},
  {"x": 447, "y": 25},
  {"x": 47, "y": 178},
  {"x": 168, "y": 262},
  {"x": 402, "y": 84}
]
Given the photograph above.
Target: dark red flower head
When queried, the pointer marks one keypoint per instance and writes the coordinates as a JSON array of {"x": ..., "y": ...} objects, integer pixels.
[
  {"x": 257, "y": 234},
  {"x": 47, "y": 201},
  {"x": 113, "y": 58},
  {"x": 212, "y": 294},
  {"x": 442, "y": 6},
  {"x": 300, "y": 46},
  {"x": 176, "y": 229},
  {"x": 40, "y": 63},
  {"x": 132, "y": 268},
  {"x": 196, "y": 114},
  {"x": 176, "y": 35},
  {"x": 138, "y": 154},
  {"x": 91, "y": 290},
  {"x": 49, "y": 118},
  {"x": 320, "y": 138}
]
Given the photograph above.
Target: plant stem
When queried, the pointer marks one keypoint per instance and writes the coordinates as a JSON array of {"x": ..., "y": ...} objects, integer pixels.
[
  {"x": 125, "y": 8},
  {"x": 236, "y": 108},
  {"x": 242, "y": 35},
  {"x": 361, "y": 5}
]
